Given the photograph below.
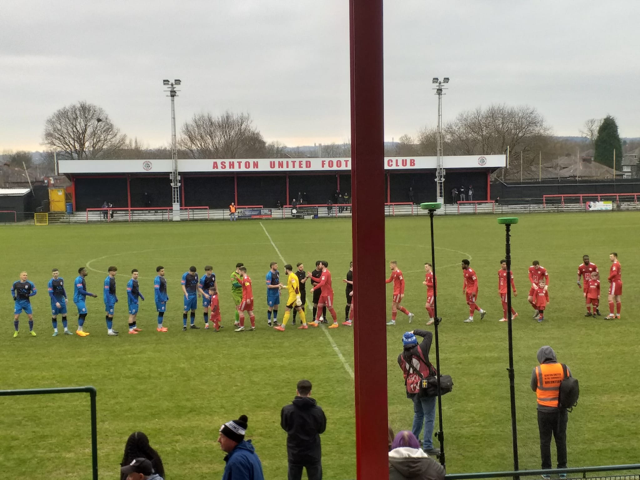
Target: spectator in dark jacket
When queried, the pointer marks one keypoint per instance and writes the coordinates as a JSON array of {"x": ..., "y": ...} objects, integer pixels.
[
  {"x": 139, "y": 469},
  {"x": 414, "y": 360},
  {"x": 408, "y": 462},
  {"x": 304, "y": 421},
  {"x": 242, "y": 460},
  {"x": 137, "y": 446}
]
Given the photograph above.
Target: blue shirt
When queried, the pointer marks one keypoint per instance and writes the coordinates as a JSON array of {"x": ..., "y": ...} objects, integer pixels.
[
  {"x": 23, "y": 290},
  {"x": 273, "y": 278},
  {"x": 207, "y": 282},
  {"x": 133, "y": 291},
  {"x": 56, "y": 289},
  {"x": 190, "y": 282},
  {"x": 79, "y": 289},
  {"x": 110, "y": 290},
  {"x": 160, "y": 288}
]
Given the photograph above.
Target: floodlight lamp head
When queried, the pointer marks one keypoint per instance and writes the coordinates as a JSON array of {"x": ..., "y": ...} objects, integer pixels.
[
  {"x": 445, "y": 80},
  {"x": 507, "y": 220},
  {"x": 166, "y": 82},
  {"x": 435, "y": 80},
  {"x": 177, "y": 82}
]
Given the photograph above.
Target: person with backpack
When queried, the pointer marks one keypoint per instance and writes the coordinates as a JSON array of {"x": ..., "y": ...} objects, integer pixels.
[
  {"x": 415, "y": 365},
  {"x": 137, "y": 447},
  {"x": 546, "y": 381}
]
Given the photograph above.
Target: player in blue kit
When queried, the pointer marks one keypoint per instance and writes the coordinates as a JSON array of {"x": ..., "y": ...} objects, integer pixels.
[
  {"x": 190, "y": 290},
  {"x": 161, "y": 296},
  {"x": 22, "y": 291},
  {"x": 110, "y": 300},
  {"x": 133, "y": 293},
  {"x": 273, "y": 293},
  {"x": 80, "y": 294},
  {"x": 207, "y": 282},
  {"x": 58, "y": 302}
]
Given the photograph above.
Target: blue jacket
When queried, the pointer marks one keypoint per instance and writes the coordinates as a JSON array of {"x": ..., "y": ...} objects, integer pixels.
[{"x": 243, "y": 463}]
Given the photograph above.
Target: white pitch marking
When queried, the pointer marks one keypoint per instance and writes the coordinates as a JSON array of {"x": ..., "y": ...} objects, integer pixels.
[{"x": 326, "y": 331}]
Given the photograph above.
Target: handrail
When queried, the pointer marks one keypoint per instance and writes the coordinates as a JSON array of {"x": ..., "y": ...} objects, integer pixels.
[
  {"x": 188, "y": 209},
  {"x": 169, "y": 210},
  {"x": 522, "y": 473},
  {"x": 476, "y": 202},
  {"x": 94, "y": 417},
  {"x": 588, "y": 195}
]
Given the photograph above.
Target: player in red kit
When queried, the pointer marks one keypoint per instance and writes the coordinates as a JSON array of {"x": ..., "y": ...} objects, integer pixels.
[
  {"x": 502, "y": 290},
  {"x": 215, "y": 307},
  {"x": 326, "y": 296},
  {"x": 593, "y": 294},
  {"x": 470, "y": 289},
  {"x": 247, "y": 301},
  {"x": 429, "y": 281},
  {"x": 542, "y": 299},
  {"x": 536, "y": 273},
  {"x": 615, "y": 287},
  {"x": 398, "y": 293},
  {"x": 585, "y": 271}
]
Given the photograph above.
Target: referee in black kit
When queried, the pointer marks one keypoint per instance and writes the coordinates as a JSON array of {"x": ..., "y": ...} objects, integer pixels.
[
  {"x": 349, "y": 289},
  {"x": 302, "y": 280}
]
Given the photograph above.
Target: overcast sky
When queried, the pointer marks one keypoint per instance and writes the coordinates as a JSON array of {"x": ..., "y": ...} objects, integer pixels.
[{"x": 286, "y": 62}]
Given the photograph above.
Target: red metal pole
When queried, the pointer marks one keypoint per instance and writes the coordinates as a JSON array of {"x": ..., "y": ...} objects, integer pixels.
[
  {"x": 338, "y": 182},
  {"x": 488, "y": 185},
  {"x": 388, "y": 188},
  {"x": 286, "y": 200},
  {"x": 73, "y": 189},
  {"x": 128, "y": 191},
  {"x": 235, "y": 189},
  {"x": 367, "y": 187}
]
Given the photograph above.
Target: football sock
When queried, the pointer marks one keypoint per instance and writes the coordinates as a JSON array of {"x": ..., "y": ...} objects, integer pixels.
[
  {"x": 193, "y": 318},
  {"x": 286, "y": 318},
  {"x": 588, "y": 308},
  {"x": 334, "y": 315},
  {"x": 346, "y": 311},
  {"x": 206, "y": 317},
  {"x": 242, "y": 320},
  {"x": 30, "y": 325},
  {"x": 611, "y": 308},
  {"x": 184, "y": 319},
  {"x": 54, "y": 321},
  {"x": 81, "y": 319},
  {"x": 619, "y": 305},
  {"x": 237, "y": 317},
  {"x": 109, "y": 323},
  {"x": 160, "y": 318},
  {"x": 269, "y": 315},
  {"x": 471, "y": 310},
  {"x": 324, "y": 312},
  {"x": 394, "y": 313},
  {"x": 404, "y": 310},
  {"x": 275, "y": 315},
  {"x": 303, "y": 317},
  {"x": 295, "y": 313},
  {"x": 64, "y": 322},
  {"x": 315, "y": 312},
  {"x": 16, "y": 323},
  {"x": 252, "y": 317},
  {"x": 132, "y": 326}
]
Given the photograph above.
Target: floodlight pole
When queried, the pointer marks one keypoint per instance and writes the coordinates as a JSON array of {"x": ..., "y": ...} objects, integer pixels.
[
  {"x": 175, "y": 176},
  {"x": 432, "y": 207},
  {"x": 440, "y": 171},
  {"x": 507, "y": 222}
]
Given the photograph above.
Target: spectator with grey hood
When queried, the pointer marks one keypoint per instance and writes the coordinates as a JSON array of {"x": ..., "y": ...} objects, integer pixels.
[
  {"x": 414, "y": 361},
  {"x": 242, "y": 460},
  {"x": 304, "y": 421},
  {"x": 552, "y": 418},
  {"x": 407, "y": 461}
]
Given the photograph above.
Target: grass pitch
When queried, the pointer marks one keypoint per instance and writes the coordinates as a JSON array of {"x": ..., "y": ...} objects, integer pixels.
[{"x": 180, "y": 387}]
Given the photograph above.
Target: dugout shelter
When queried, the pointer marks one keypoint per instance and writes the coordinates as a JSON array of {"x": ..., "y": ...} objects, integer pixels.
[{"x": 216, "y": 183}]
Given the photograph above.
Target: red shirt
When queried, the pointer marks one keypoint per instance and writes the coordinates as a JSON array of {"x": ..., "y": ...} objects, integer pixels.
[
  {"x": 593, "y": 289},
  {"x": 535, "y": 275},
  {"x": 398, "y": 282},
  {"x": 325, "y": 283},
  {"x": 615, "y": 272},
  {"x": 542, "y": 297},
  {"x": 247, "y": 291},
  {"x": 470, "y": 280},
  {"x": 585, "y": 271},
  {"x": 430, "y": 284},
  {"x": 502, "y": 282}
]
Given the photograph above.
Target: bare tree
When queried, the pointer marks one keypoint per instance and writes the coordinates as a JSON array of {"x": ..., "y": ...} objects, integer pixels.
[
  {"x": 406, "y": 146},
  {"x": 590, "y": 130},
  {"x": 276, "y": 150},
  {"x": 228, "y": 136},
  {"x": 21, "y": 159},
  {"x": 336, "y": 150},
  {"x": 82, "y": 131},
  {"x": 492, "y": 130}
]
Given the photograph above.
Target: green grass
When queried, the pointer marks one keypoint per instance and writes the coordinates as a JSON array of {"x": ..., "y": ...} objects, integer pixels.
[{"x": 180, "y": 387}]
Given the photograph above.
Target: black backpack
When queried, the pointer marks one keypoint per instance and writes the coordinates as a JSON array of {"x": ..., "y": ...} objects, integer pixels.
[{"x": 569, "y": 391}]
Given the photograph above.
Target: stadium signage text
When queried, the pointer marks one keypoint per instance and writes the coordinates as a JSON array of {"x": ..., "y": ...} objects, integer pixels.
[{"x": 271, "y": 165}]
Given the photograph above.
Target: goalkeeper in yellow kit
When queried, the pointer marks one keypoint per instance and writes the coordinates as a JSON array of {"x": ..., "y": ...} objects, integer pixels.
[{"x": 294, "y": 301}]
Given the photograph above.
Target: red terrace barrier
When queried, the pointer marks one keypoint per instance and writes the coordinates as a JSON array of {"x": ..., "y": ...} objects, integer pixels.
[
  {"x": 188, "y": 209},
  {"x": 15, "y": 214},
  {"x": 476, "y": 202},
  {"x": 589, "y": 195},
  {"x": 393, "y": 206}
]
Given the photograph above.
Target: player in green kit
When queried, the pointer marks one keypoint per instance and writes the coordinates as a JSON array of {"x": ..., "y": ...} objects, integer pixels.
[{"x": 236, "y": 290}]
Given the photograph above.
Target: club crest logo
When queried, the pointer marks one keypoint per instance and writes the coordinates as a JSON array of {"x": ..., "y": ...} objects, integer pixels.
[
  {"x": 147, "y": 165},
  {"x": 482, "y": 161}
]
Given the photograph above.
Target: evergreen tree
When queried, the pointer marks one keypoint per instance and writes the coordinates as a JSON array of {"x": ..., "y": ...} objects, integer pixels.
[{"x": 608, "y": 141}]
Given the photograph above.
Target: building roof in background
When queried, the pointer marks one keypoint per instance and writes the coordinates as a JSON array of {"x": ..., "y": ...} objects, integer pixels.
[{"x": 13, "y": 192}]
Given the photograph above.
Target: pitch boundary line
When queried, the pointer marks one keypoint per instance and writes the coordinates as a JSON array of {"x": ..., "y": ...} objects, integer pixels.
[{"x": 333, "y": 344}]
